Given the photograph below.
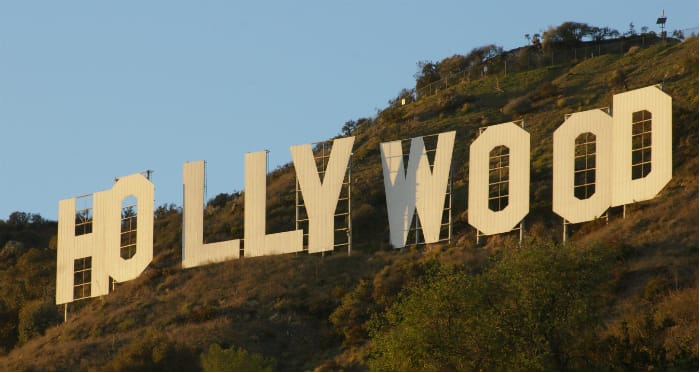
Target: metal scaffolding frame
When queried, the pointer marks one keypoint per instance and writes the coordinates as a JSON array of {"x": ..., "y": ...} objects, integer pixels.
[
  {"x": 446, "y": 222},
  {"x": 322, "y": 154},
  {"x": 582, "y": 150},
  {"x": 127, "y": 246},
  {"x": 521, "y": 226},
  {"x": 82, "y": 267},
  {"x": 127, "y": 242},
  {"x": 499, "y": 175},
  {"x": 83, "y": 214},
  {"x": 82, "y": 277},
  {"x": 566, "y": 223},
  {"x": 585, "y": 157},
  {"x": 641, "y": 144}
]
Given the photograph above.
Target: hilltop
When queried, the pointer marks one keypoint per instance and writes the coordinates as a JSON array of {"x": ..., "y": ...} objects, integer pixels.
[{"x": 630, "y": 284}]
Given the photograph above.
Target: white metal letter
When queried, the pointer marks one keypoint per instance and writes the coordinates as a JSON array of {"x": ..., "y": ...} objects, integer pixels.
[
  {"x": 72, "y": 247},
  {"x": 518, "y": 142},
  {"x": 431, "y": 187},
  {"x": 102, "y": 246},
  {"x": 417, "y": 188},
  {"x": 626, "y": 190},
  {"x": 400, "y": 189},
  {"x": 321, "y": 196},
  {"x": 564, "y": 202},
  {"x": 194, "y": 251},
  {"x": 256, "y": 242},
  {"x": 118, "y": 268}
]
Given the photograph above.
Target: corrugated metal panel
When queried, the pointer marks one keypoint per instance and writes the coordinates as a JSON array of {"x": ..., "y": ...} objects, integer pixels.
[
  {"x": 564, "y": 202},
  {"x": 194, "y": 251},
  {"x": 70, "y": 247},
  {"x": 100, "y": 278},
  {"x": 400, "y": 188},
  {"x": 256, "y": 242},
  {"x": 418, "y": 188},
  {"x": 103, "y": 244},
  {"x": 431, "y": 187},
  {"x": 321, "y": 197},
  {"x": 517, "y": 140},
  {"x": 118, "y": 268},
  {"x": 659, "y": 104}
]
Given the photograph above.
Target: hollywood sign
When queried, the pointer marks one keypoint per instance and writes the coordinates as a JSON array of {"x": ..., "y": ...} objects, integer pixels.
[{"x": 599, "y": 161}]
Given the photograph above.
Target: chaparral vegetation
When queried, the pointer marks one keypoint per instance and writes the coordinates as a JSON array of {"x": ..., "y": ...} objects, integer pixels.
[{"x": 620, "y": 294}]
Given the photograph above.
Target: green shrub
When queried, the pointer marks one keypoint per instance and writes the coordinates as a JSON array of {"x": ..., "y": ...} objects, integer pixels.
[
  {"x": 153, "y": 352},
  {"x": 233, "y": 359},
  {"x": 355, "y": 309},
  {"x": 8, "y": 327},
  {"x": 644, "y": 349},
  {"x": 35, "y": 317},
  {"x": 535, "y": 308}
]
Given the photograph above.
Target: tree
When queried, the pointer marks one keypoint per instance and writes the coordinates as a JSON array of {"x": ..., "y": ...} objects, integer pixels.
[
  {"x": 164, "y": 210},
  {"x": 152, "y": 351},
  {"x": 18, "y": 218},
  {"x": 536, "y": 41},
  {"x": 568, "y": 34},
  {"x": 233, "y": 359},
  {"x": 536, "y": 308},
  {"x": 452, "y": 65},
  {"x": 8, "y": 327},
  {"x": 479, "y": 55},
  {"x": 220, "y": 200},
  {"x": 603, "y": 33},
  {"x": 421, "y": 332},
  {"x": 678, "y": 34},
  {"x": 35, "y": 317},
  {"x": 427, "y": 73},
  {"x": 348, "y": 128},
  {"x": 351, "y": 316},
  {"x": 645, "y": 350}
]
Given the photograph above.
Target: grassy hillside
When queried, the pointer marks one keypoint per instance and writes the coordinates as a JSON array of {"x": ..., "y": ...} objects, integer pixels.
[{"x": 303, "y": 312}]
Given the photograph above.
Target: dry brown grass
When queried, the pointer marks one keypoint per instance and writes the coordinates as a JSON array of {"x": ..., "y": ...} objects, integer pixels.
[{"x": 280, "y": 306}]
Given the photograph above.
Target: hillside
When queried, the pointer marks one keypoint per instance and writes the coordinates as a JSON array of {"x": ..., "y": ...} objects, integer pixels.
[{"x": 631, "y": 289}]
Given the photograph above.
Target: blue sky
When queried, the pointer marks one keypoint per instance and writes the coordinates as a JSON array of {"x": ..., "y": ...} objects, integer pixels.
[{"x": 93, "y": 90}]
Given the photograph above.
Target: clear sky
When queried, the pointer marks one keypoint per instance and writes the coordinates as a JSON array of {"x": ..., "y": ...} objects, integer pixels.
[{"x": 91, "y": 90}]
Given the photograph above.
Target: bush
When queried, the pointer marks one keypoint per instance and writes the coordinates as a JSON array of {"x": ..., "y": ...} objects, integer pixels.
[
  {"x": 35, "y": 317},
  {"x": 233, "y": 359},
  {"x": 8, "y": 327},
  {"x": 427, "y": 73},
  {"x": 220, "y": 200},
  {"x": 348, "y": 128},
  {"x": 452, "y": 65},
  {"x": 518, "y": 106},
  {"x": 546, "y": 90},
  {"x": 354, "y": 311},
  {"x": 535, "y": 308},
  {"x": 644, "y": 350},
  {"x": 152, "y": 352},
  {"x": 617, "y": 79}
]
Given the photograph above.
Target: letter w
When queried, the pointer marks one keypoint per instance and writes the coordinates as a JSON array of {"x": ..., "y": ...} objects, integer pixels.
[{"x": 418, "y": 188}]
